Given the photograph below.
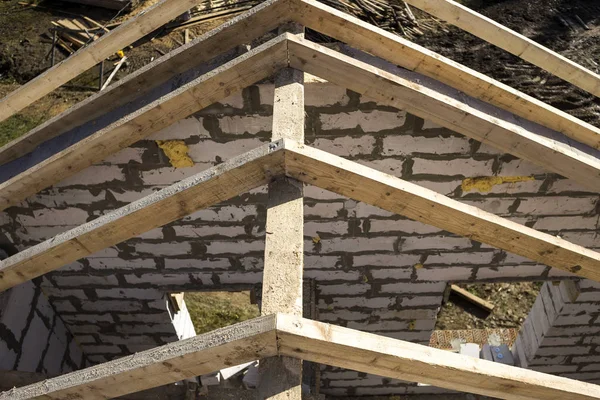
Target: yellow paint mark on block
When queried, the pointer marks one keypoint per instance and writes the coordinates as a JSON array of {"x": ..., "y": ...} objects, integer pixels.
[
  {"x": 485, "y": 184},
  {"x": 177, "y": 151},
  {"x": 316, "y": 239},
  {"x": 418, "y": 266}
]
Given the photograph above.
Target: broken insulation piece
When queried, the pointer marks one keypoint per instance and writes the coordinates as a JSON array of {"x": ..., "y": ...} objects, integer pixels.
[{"x": 177, "y": 152}]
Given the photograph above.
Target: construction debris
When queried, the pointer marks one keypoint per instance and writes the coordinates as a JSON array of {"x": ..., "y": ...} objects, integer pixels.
[{"x": 478, "y": 301}]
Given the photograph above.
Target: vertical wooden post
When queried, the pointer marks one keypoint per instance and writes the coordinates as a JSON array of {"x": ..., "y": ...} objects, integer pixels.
[{"x": 281, "y": 377}]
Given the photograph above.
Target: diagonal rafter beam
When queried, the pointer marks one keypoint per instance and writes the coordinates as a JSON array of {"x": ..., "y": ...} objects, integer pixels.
[
  {"x": 511, "y": 41},
  {"x": 242, "y": 29},
  {"x": 397, "y": 359},
  {"x": 257, "y": 64},
  {"x": 453, "y": 111},
  {"x": 91, "y": 55},
  {"x": 301, "y": 338},
  {"x": 236, "y": 344},
  {"x": 393, "y": 194},
  {"x": 217, "y": 184}
]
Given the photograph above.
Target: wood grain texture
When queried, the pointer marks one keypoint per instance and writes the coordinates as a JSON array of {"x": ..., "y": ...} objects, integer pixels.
[
  {"x": 453, "y": 111},
  {"x": 91, "y": 55},
  {"x": 217, "y": 84},
  {"x": 233, "y": 345},
  {"x": 406, "y": 54},
  {"x": 239, "y": 30},
  {"x": 397, "y": 359},
  {"x": 393, "y": 194},
  {"x": 217, "y": 184},
  {"x": 511, "y": 41}
]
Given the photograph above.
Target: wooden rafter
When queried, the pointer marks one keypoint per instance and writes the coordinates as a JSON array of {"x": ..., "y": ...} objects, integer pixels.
[
  {"x": 511, "y": 41},
  {"x": 311, "y": 166},
  {"x": 91, "y": 55},
  {"x": 309, "y": 340},
  {"x": 217, "y": 184},
  {"x": 451, "y": 111},
  {"x": 243, "y": 29},
  {"x": 387, "y": 192},
  {"x": 233, "y": 345},
  {"x": 257, "y": 64}
]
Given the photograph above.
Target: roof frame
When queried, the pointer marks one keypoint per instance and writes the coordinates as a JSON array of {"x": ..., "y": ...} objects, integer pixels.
[
  {"x": 309, "y": 165},
  {"x": 285, "y": 335}
]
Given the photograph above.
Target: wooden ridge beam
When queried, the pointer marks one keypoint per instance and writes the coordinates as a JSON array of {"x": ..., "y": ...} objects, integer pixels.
[
  {"x": 451, "y": 110},
  {"x": 88, "y": 56},
  {"x": 391, "y": 358},
  {"x": 240, "y": 30},
  {"x": 393, "y": 194},
  {"x": 402, "y": 52},
  {"x": 511, "y": 41},
  {"x": 247, "y": 69},
  {"x": 217, "y": 184},
  {"x": 232, "y": 345}
]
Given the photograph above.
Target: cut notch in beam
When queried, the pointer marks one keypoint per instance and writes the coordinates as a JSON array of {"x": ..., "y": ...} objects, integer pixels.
[
  {"x": 217, "y": 184},
  {"x": 233, "y": 76},
  {"x": 393, "y": 194},
  {"x": 466, "y": 116},
  {"x": 511, "y": 41},
  {"x": 96, "y": 52},
  {"x": 397, "y": 359},
  {"x": 236, "y": 344}
]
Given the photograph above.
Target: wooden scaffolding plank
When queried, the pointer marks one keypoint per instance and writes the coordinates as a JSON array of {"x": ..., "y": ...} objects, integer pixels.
[
  {"x": 397, "y": 359},
  {"x": 281, "y": 377},
  {"x": 249, "y": 68},
  {"x": 217, "y": 184},
  {"x": 511, "y": 41},
  {"x": 406, "y": 54},
  {"x": 453, "y": 111},
  {"x": 242, "y": 29},
  {"x": 393, "y": 194},
  {"x": 232, "y": 345},
  {"x": 91, "y": 55}
]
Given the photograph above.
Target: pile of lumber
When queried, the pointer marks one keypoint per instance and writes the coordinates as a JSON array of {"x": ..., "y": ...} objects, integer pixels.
[
  {"x": 74, "y": 33},
  {"x": 210, "y": 10}
]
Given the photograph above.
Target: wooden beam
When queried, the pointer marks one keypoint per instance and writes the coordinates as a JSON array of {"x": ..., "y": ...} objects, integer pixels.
[
  {"x": 280, "y": 378},
  {"x": 247, "y": 69},
  {"x": 449, "y": 109},
  {"x": 235, "y": 344},
  {"x": 91, "y": 55},
  {"x": 397, "y": 359},
  {"x": 242, "y": 29},
  {"x": 406, "y": 54},
  {"x": 470, "y": 297},
  {"x": 511, "y": 41},
  {"x": 393, "y": 194},
  {"x": 217, "y": 184}
]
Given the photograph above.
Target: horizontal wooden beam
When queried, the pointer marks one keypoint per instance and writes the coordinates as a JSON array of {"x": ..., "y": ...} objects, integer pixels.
[
  {"x": 92, "y": 54},
  {"x": 393, "y": 194},
  {"x": 217, "y": 184},
  {"x": 451, "y": 110},
  {"x": 239, "y": 30},
  {"x": 511, "y": 41},
  {"x": 247, "y": 69},
  {"x": 391, "y": 358},
  {"x": 233, "y": 345},
  {"x": 406, "y": 54}
]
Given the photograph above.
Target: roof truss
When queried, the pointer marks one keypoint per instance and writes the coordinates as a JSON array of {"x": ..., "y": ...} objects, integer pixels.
[
  {"x": 286, "y": 157},
  {"x": 285, "y": 335}
]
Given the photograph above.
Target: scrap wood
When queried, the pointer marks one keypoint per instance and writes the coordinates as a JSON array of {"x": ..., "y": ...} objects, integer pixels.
[
  {"x": 114, "y": 72},
  {"x": 470, "y": 297}
]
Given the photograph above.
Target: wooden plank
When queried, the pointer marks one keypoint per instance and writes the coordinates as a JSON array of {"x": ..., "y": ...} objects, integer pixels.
[
  {"x": 511, "y": 41},
  {"x": 450, "y": 109},
  {"x": 217, "y": 184},
  {"x": 478, "y": 301},
  {"x": 240, "y": 30},
  {"x": 91, "y": 55},
  {"x": 397, "y": 359},
  {"x": 393, "y": 194},
  {"x": 257, "y": 64},
  {"x": 114, "y": 72},
  {"x": 406, "y": 54},
  {"x": 281, "y": 378},
  {"x": 235, "y": 344}
]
